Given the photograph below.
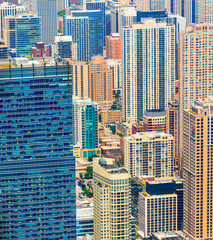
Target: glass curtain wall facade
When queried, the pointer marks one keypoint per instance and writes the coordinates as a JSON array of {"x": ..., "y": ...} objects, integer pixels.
[
  {"x": 99, "y": 5},
  {"x": 78, "y": 27},
  {"x": 37, "y": 177},
  {"x": 95, "y": 31},
  {"x": 28, "y": 32}
]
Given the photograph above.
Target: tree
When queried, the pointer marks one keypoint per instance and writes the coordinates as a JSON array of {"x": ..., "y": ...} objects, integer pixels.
[
  {"x": 99, "y": 117},
  {"x": 89, "y": 170},
  {"x": 90, "y": 158},
  {"x": 117, "y": 95},
  {"x": 61, "y": 13},
  {"x": 113, "y": 107},
  {"x": 121, "y": 135},
  {"x": 112, "y": 128}
]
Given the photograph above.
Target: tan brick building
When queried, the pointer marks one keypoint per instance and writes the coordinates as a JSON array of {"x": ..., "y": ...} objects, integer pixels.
[
  {"x": 196, "y": 67},
  {"x": 108, "y": 116},
  {"x": 100, "y": 82},
  {"x": 198, "y": 170},
  {"x": 80, "y": 78}
]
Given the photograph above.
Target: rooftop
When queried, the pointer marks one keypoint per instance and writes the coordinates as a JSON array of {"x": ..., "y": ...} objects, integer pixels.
[
  {"x": 150, "y": 136},
  {"x": 29, "y": 62},
  {"x": 109, "y": 165},
  {"x": 154, "y": 113}
]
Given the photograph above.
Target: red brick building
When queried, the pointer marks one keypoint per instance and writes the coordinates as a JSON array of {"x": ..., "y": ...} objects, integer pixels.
[{"x": 113, "y": 46}]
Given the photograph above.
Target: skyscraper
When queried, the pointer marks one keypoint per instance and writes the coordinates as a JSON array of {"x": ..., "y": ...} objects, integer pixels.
[
  {"x": 86, "y": 126},
  {"x": 47, "y": 10},
  {"x": 196, "y": 67},
  {"x": 172, "y": 127},
  {"x": 116, "y": 8},
  {"x": 97, "y": 5},
  {"x": 37, "y": 165},
  {"x": 149, "y": 154},
  {"x": 8, "y": 9},
  {"x": 28, "y": 32},
  {"x": 197, "y": 170},
  {"x": 116, "y": 66},
  {"x": 127, "y": 17},
  {"x": 161, "y": 207},
  {"x": 148, "y": 58},
  {"x": 100, "y": 83},
  {"x": 80, "y": 78},
  {"x": 78, "y": 28},
  {"x": 113, "y": 46},
  {"x": 95, "y": 30},
  {"x": 112, "y": 210},
  {"x": 86, "y": 29},
  {"x": 66, "y": 48},
  {"x": 204, "y": 11},
  {"x": 157, "y": 5},
  {"x": 10, "y": 31}
]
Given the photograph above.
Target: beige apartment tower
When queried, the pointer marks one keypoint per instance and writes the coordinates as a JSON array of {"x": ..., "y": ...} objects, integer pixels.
[
  {"x": 196, "y": 67},
  {"x": 9, "y": 31},
  {"x": 80, "y": 78},
  {"x": 198, "y": 170},
  {"x": 112, "y": 209},
  {"x": 100, "y": 82},
  {"x": 149, "y": 154}
]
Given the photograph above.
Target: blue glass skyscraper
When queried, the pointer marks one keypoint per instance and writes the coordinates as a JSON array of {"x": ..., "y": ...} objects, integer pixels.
[
  {"x": 78, "y": 27},
  {"x": 37, "y": 170},
  {"x": 28, "y": 32},
  {"x": 90, "y": 25}
]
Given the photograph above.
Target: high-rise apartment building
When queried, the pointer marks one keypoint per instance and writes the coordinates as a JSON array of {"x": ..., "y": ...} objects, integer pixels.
[
  {"x": 143, "y": 5},
  {"x": 28, "y": 32},
  {"x": 37, "y": 179},
  {"x": 113, "y": 46},
  {"x": 198, "y": 170},
  {"x": 127, "y": 17},
  {"x": 86, "y": 29},
  {"x": 95, "y": 30},
  {"x": 97, "y": 5},
  {"x": 66, "y": 48},
  {"x": 8, "y": 9},
  {"x": 115, "y": 65},
  {"x": 116, "y": 8},
  {"x": 204, "y": 11},
  {"x": 80, "y": 78},
  {"x": 9, "y": 31},
  {"x": 172, "y": 127},
  {"x": 148, "y": 60},
  {"x": 177, "y": 7},
  {"x": 78, "y": 28},
  {"x": 161, "y": 207},
  {"x": 3, "y": 50},
  {"x": 196, "y": 67},
  {"x": 47, "y": 10},
  {"x": 149, "y": 154},
  {"x": 160, "y": 5},
  {"x": 198, "y": 11},
  {"x": 112, "y": 209},
  {"x": 100, "y": 82},
  {"x": 86, "y": 126}
]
